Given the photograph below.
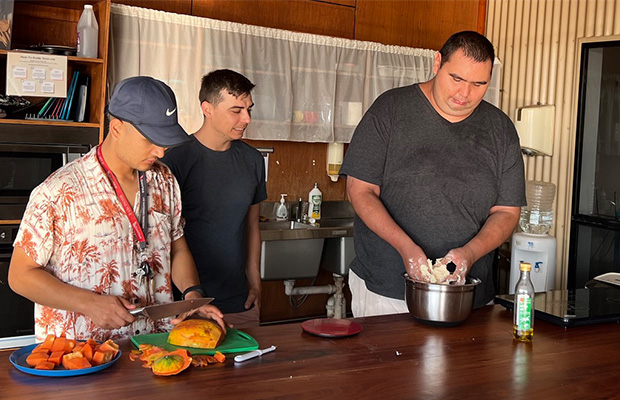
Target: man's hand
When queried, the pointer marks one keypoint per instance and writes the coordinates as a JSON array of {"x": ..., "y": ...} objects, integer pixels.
[
  {"x": 109, "y": 312},
  {"x": 207, "y": 311},
  {"x": 253, "y": 298},
  {"x": 463, "y": 260},
  {"x": 414, "y": 261}
]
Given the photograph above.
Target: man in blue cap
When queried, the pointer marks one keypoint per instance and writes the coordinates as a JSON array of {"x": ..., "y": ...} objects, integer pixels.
[{"x": 104, "y": 234}]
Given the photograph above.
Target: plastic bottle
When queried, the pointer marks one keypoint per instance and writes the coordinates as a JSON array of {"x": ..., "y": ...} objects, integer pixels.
[
  {"x": 523, "y": 317},
  {"x": 87, "y": 33},
  {"x": 315, "y": 198},
  {"x": 282, "y": 211},
  {"x": 537, "y": 216}
]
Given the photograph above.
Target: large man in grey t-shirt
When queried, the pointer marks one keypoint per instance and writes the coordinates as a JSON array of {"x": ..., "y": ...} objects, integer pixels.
[{"x": 432, "y": 172}]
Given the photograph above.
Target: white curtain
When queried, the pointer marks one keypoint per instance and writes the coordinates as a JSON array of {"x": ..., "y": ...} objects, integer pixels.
[{"x": 309, "y": 88}]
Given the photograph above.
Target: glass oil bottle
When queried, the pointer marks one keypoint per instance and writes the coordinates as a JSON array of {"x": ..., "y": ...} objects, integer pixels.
[{"x": 523, "y": 317}]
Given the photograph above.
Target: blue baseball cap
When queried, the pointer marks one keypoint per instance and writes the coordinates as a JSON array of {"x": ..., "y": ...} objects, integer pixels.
[{"x": 151, "y": 107}]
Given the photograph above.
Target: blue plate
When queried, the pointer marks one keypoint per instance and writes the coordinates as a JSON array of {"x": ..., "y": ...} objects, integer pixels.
[{"x": 18, "y": 359}]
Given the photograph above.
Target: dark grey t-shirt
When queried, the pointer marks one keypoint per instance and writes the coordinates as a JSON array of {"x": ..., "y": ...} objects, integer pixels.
[
  {"x": 217, "y": 188},
  {"x": 438, "y": 181}
]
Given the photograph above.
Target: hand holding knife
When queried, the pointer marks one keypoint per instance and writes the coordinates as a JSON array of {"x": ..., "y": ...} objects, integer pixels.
[{"x": 252, "y": 354}]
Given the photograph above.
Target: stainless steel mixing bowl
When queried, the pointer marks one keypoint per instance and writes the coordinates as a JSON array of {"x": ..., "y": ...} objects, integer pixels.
[{"x": 439, "y": 304}]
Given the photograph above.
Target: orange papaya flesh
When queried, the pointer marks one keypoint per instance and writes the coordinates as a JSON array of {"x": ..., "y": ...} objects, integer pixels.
[
  {"x": 56, "y": 357},
  {"x": 59, "y": 344},
  {"x": 102, "y": 357},
  {"x": 48, "y": 342},
  {"x": 35, "y": 358},
  {"x": 219, "y": 357},
  {"x": 109, "y": 345},
  {"x": 45, "y": 365}
]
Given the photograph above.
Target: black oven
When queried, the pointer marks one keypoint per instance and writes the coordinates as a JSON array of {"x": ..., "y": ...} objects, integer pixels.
[{"x": 16, "y": 312}]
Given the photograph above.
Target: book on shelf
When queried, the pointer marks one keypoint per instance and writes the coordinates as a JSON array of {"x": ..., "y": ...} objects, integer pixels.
[{"x": 71, "y": 108}]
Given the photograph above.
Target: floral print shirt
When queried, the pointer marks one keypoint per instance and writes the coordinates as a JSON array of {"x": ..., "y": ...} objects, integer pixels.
[{"x": 75, "y": 228}]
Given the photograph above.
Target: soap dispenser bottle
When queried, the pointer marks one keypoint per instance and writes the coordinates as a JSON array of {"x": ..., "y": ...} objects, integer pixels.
[
  {"x": 282, "y": 211},
  {"x": 315, "y": 198}
]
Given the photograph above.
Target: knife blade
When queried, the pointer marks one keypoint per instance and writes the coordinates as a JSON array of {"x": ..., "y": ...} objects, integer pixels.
[
  {"x": 159, "y": 311},
  {"x": 252, "y": 354}
]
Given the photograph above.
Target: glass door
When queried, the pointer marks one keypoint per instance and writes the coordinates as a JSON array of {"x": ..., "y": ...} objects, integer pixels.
[{"x": 595, "y": 227}]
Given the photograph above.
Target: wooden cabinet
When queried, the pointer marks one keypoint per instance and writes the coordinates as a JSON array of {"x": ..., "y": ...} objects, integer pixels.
[
  {"x": 417, "y": 23},
  {"x": 53, "y": 22}
]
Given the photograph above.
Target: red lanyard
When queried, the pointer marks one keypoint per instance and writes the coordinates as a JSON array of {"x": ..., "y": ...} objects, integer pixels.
[{"x": 137, "y": 226}]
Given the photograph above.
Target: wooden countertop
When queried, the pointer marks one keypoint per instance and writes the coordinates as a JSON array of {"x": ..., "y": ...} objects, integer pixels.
[{"x": 394, "y": 357}]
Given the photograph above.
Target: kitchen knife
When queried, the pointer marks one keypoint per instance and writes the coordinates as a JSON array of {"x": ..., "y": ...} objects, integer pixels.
[
  {"x": 252, "y": 354},
  {"x": 159, "y": 311}
]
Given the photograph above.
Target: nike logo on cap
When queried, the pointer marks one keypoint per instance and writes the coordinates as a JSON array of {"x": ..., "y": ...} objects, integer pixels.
[{"x": 169, "y": 113}]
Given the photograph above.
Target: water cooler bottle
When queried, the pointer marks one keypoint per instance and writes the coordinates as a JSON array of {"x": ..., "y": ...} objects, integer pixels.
[{"x": 534, "y": 245}]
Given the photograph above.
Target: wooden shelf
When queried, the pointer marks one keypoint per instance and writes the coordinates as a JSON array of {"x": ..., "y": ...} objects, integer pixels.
[{"x": 48, "y": 123}]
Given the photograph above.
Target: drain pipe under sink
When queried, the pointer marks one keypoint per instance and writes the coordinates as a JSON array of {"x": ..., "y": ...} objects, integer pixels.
[{"x": 335, "y": 304}]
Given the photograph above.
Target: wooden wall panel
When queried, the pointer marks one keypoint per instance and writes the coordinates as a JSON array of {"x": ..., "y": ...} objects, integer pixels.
[
  {"x": 175, "y": 6},
  {"x": 295, "y": 166},
  {"x": 415, "y": 23},
  {"x": 296, "y": 15}
]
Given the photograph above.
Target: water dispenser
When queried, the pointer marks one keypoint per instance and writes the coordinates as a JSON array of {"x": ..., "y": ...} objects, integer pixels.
[{"x": 534, "y": 245}]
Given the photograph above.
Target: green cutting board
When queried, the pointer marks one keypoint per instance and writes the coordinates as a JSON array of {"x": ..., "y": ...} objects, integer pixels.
[{"x": 235, "y": 342}]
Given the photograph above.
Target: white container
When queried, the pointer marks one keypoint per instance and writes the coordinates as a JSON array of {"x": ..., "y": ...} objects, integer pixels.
[
  {"x": 535, "y": 125},
  {"x": 282, "y": 212},
  {"x": 539, "y": 252},
  {"x": 335, "y": 155},
  {"x": 87, "y": 33},
  {"x": 315, "y": 198}
]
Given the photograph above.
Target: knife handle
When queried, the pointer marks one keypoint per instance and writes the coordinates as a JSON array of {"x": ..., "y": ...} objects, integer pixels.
[
  {"x": 137, "y": 311},
  {"x": 252, "y": 354}
]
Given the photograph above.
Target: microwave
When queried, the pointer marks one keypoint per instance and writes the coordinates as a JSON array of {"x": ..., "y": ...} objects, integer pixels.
[{"x": 27, "y": 159}]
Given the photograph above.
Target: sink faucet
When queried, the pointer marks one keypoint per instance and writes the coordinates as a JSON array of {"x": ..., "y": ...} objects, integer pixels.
[{"x": 301, "y": 214}]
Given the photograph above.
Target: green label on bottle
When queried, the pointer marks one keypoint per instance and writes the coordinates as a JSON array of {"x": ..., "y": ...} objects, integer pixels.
[{"x": 524, "y": 313}]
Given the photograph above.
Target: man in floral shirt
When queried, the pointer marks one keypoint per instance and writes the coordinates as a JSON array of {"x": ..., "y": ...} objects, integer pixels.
[{"x": 78, "y": 252}]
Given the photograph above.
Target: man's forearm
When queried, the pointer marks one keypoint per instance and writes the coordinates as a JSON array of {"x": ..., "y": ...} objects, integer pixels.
[
  {"x": 497, "y": 228},
  {"x": 252, "y": 269},
  {"x": 183, "y": 268}
]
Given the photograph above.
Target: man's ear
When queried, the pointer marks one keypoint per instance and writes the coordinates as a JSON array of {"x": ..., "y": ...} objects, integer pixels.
[
  {"x": 116, "y": 126},
  {"x": 437, "y": 63},
  {"x": 207, "y": 109}
]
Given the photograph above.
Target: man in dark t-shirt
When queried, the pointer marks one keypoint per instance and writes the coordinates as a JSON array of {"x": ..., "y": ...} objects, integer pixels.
[
  {"x": 433, "y": 172},
  {"x": 222, "y": 181}
]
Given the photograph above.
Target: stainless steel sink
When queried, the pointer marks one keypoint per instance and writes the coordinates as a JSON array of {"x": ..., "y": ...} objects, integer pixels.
[{"x": 294, "y": 250}]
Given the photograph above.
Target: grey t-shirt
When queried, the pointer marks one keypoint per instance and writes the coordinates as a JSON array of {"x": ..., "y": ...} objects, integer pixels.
[{"x": 438, "y": 181}]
